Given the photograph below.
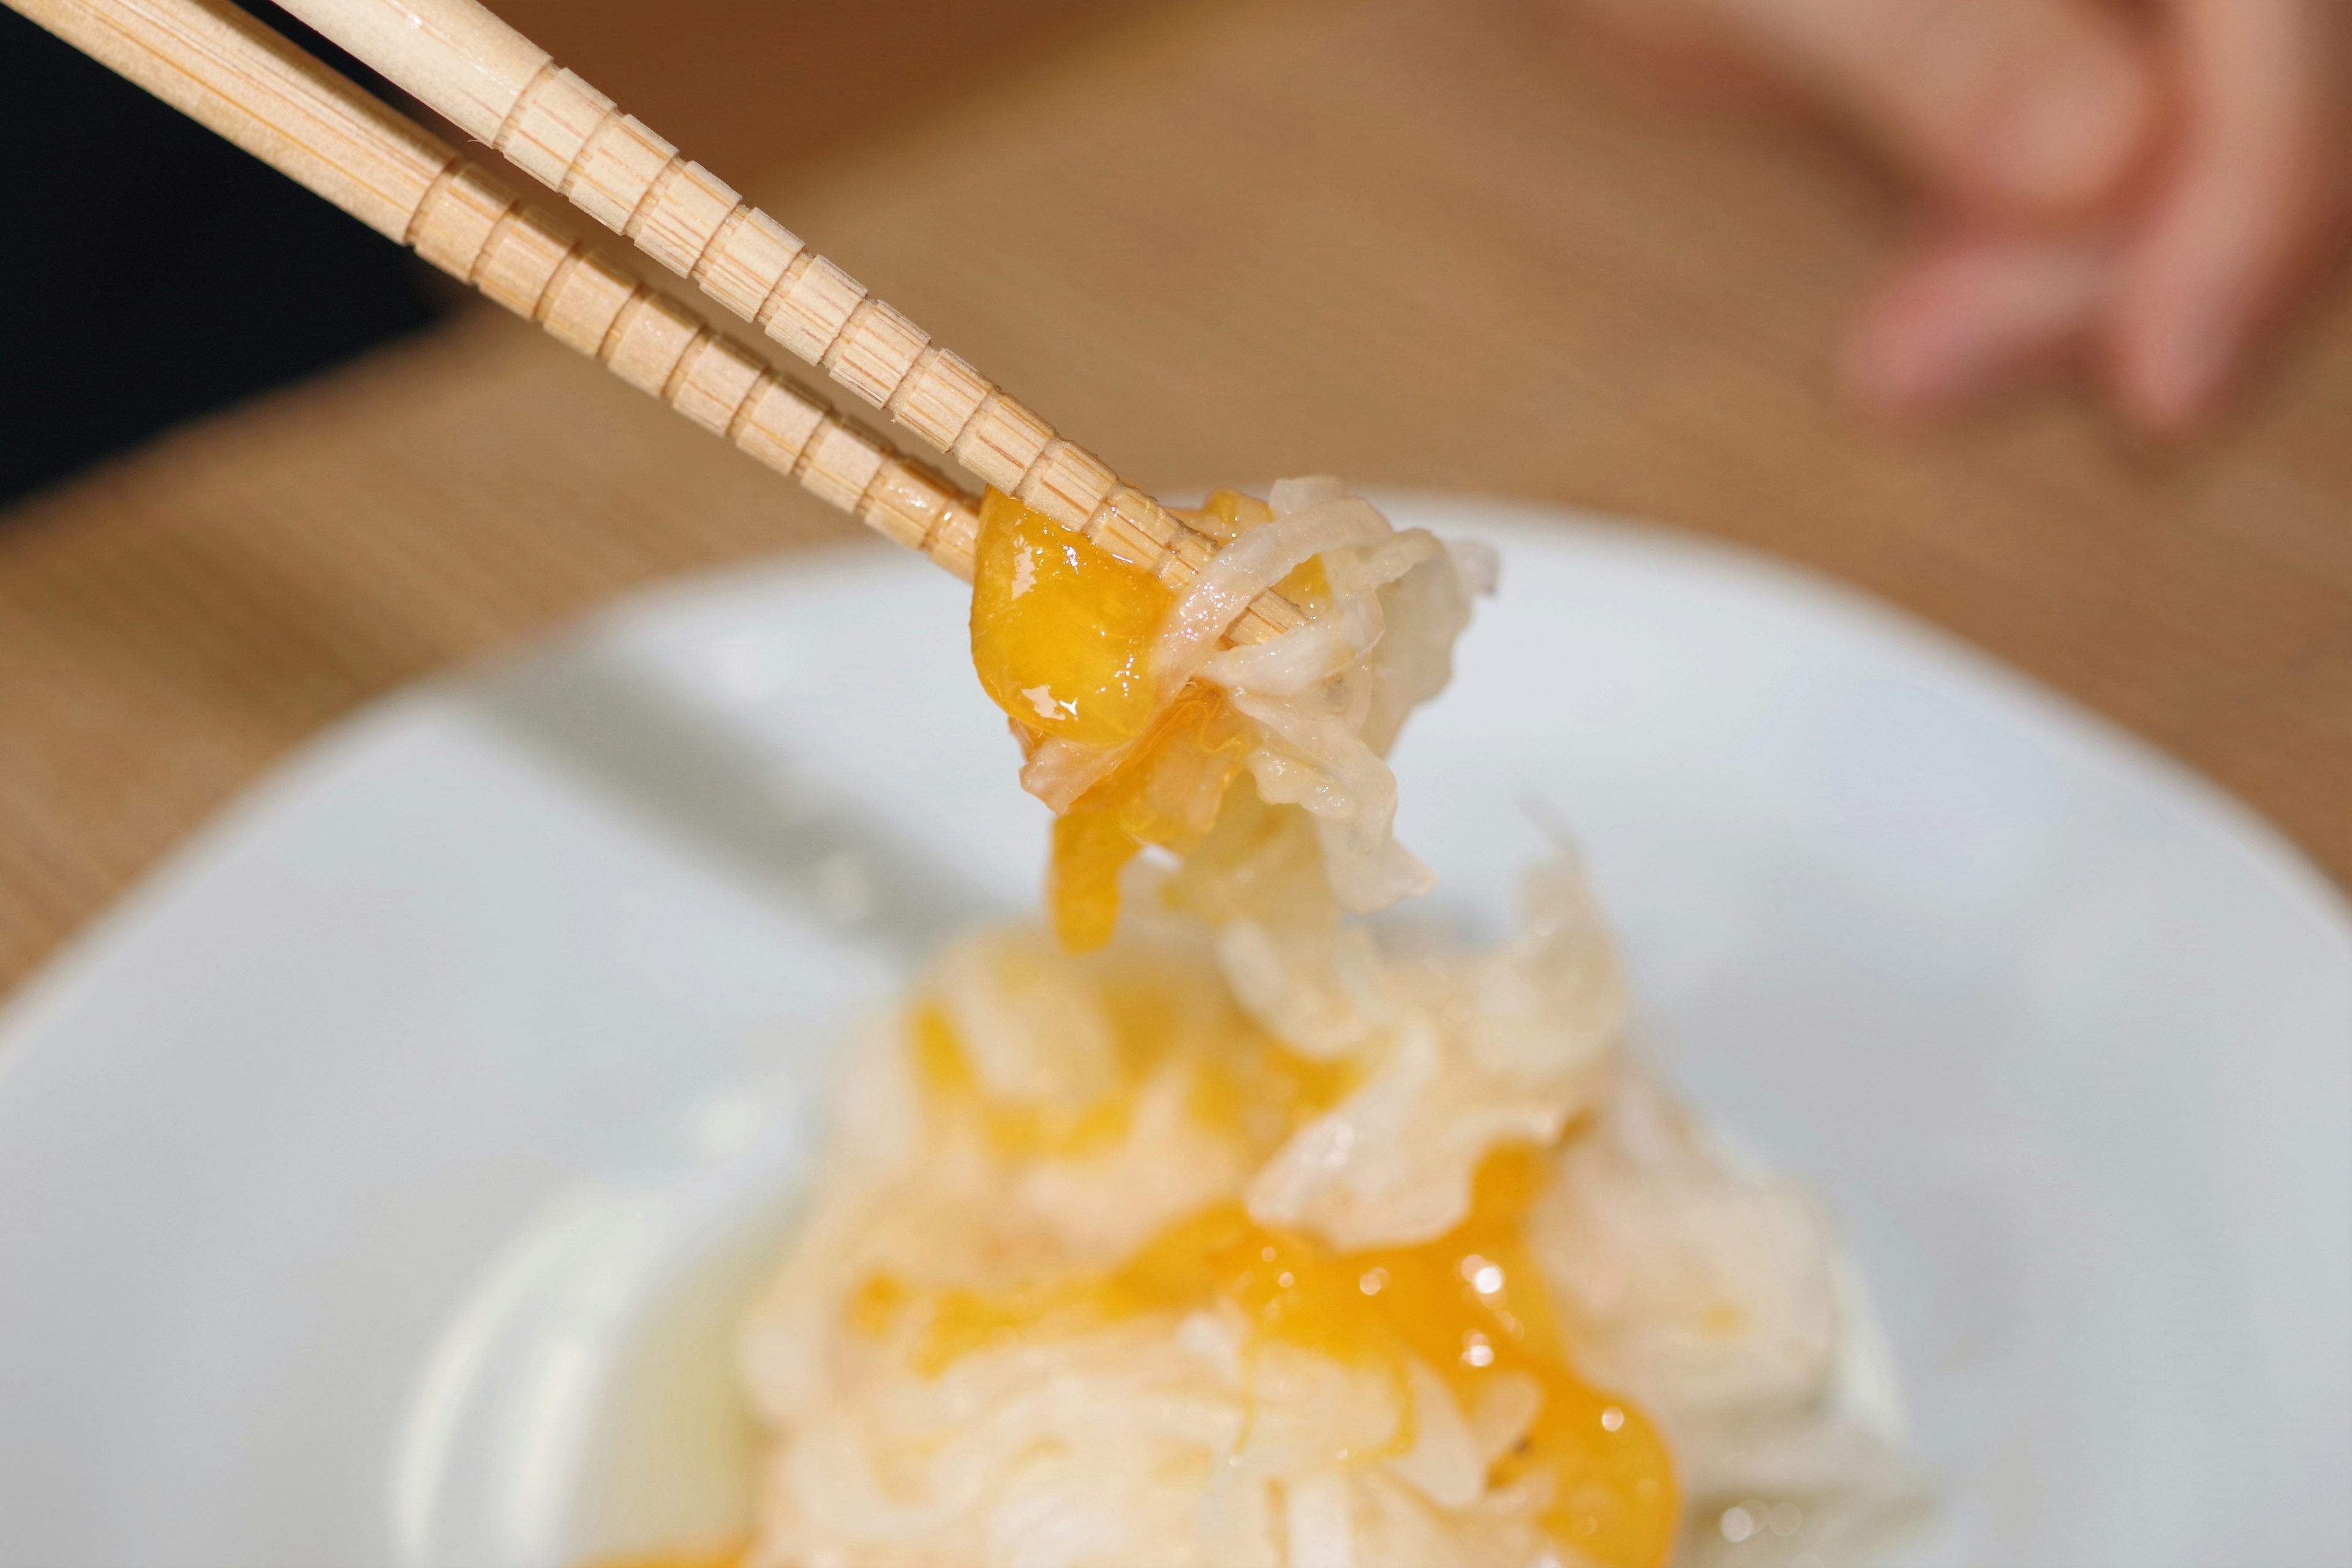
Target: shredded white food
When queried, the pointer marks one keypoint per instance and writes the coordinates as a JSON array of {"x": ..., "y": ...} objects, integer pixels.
[{"x": 1710, "y": 1299}]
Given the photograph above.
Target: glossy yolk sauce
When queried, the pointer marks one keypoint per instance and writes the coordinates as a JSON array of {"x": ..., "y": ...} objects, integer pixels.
[
  {"x": 1165, "y": 792},
  {"x": 1471, "y": 1305},
  {"x": 712, "y": 1557},
  {"x": 1061, "y": 636},
  {"x": 1060, "y": 629}
]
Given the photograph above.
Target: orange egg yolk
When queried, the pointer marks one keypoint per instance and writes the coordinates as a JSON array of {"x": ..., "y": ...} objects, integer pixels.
[
  {"x": 1060, "y": 629},
  {"x": 1061, "y": 636},
  {"x": 1472, "y": 1305},
  {"x": 1061, "y": 633},
  {"x": 1167, "y": 792},
  {"x": 714, "y": 1557},
  {"x": 1245, "y": 1086}
]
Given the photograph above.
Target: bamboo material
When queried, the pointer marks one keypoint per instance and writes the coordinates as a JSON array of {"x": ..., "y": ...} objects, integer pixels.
[
  {"x": 239, "y": 79},
  {"x": 504, "y": 89},
  {"x": 246, "y": 82},
  {"x": 176, "y": 621}
]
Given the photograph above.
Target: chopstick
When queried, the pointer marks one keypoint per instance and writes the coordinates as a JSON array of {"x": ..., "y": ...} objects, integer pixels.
[
  {"x": 495, "y": 85},
  {"x": 227, "y": 71}
]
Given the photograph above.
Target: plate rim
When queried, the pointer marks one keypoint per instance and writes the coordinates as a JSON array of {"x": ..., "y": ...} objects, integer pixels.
[{"x": 2059, "y": 716}]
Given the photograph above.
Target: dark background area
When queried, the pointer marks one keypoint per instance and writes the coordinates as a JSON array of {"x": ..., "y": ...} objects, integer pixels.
[
  {"x": 157, "y": 271},
  {"x": 161, "y": 273}
]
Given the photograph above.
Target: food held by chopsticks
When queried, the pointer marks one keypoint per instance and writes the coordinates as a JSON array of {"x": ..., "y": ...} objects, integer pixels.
[
  {"x": 1205, "y": 1222},
  {"x": 1244, "y": 1233}
]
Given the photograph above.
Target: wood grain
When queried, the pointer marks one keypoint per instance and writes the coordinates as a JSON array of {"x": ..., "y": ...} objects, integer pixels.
[
  {"x": 216, "y": 64},
  {"x": 500, "y": 88},
  {"x": 1393, "y": 240}
]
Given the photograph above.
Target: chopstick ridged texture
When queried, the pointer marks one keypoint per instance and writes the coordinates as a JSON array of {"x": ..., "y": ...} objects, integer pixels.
[
  {"x": 498, "y": 86},
  {"x": 253, "y": 87},
  {"x": 249, "y": 84}
]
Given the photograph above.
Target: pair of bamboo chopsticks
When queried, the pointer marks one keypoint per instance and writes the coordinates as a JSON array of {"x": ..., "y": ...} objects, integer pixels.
[{"x": 218, "y": 65}]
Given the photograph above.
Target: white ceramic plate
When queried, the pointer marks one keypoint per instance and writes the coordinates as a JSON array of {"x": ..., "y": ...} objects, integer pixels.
[{"x": 376, "y": 1183}]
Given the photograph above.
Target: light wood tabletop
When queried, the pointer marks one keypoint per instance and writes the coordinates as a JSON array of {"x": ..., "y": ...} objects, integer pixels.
[{"x": 1403, "y": 241}]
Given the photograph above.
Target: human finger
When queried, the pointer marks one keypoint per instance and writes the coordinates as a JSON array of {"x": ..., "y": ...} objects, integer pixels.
[
  {"x": 2035, "y": 105},
  {"x": 2255, "y": 194},
  {"x": 1973, "y": 309}
]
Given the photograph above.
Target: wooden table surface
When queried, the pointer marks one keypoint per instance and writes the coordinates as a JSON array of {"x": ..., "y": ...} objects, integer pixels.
[{"x": 1397, "y": 240}]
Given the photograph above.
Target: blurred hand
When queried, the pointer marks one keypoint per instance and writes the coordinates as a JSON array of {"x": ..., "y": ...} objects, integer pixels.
[{"x": 2148, "y": 188}]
